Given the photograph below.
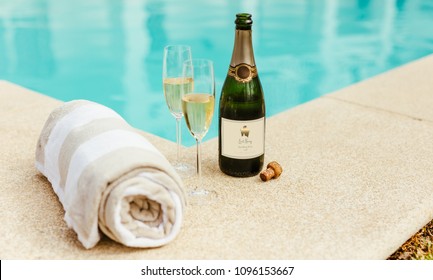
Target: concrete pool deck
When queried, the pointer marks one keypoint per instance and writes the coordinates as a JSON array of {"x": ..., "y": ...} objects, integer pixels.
[{"x": 357, "y": 181}]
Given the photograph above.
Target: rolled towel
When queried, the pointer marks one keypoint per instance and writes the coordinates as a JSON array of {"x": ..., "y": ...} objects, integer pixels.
[{"x": 108, "y": 176}]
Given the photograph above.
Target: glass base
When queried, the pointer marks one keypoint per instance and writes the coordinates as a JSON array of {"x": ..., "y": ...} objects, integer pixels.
[
  {"x": 201, "y": 196},
  {"x": 184, "y": 170}
]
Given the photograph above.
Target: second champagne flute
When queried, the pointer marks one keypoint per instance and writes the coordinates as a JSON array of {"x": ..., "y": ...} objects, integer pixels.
[
  {"x": 198, "y": 107},
  {"x": 175, "y": 86}
]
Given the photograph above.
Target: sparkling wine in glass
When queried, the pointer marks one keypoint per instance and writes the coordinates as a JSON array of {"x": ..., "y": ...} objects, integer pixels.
[
  {"x": 175, "y": 85},
  {"x": 198, "y": 107}
]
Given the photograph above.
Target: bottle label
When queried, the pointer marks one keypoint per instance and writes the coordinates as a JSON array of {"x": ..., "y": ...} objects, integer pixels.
[
  {"x": 243, "y": 72},
  {"x": 242, "y": 139}
]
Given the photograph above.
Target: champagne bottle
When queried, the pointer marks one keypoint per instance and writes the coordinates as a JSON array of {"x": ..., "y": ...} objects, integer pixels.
[{"x": 242, "y": 109}]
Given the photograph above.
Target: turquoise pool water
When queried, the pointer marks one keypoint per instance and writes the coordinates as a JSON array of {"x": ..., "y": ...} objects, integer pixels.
[{"x": 111, "y": 51}]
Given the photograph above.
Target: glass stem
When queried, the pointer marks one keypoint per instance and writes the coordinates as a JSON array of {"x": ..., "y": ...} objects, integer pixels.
[
  {"x": 198, "y": 140},
  {"x": 178, "y": 138}
]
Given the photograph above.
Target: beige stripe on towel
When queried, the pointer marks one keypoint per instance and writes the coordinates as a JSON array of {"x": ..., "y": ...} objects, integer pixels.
[
  {"x": 49, "y": 125},
  {"x": 82, "y": 134}
]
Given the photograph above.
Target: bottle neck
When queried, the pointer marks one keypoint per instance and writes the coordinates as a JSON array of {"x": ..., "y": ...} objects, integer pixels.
[{"x": 243, "y": 49}]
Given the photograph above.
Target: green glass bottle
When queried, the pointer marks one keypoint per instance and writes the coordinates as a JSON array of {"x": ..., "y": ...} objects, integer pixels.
[{"x": 242, "y": 109}]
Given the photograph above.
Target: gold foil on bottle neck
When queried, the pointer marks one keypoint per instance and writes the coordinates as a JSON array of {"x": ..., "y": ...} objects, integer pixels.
[
  {"x": 243, "y": 49},
  {"x": 243, "y": 72}
]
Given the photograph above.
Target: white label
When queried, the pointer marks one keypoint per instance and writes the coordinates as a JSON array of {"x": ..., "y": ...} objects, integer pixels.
[{"x": 242, "y": 139}]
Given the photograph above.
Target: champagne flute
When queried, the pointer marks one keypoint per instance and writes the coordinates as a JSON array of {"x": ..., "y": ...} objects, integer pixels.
[
  {"x": 198, "y": 106},
  {"x": 175, "y": 85}
]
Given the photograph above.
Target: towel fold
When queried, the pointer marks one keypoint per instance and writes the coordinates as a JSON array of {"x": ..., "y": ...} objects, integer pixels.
[{"x": 108, "y": 176}]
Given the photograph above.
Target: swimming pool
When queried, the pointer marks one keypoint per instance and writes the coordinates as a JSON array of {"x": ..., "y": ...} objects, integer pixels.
[{"x": 110, "y": 51}]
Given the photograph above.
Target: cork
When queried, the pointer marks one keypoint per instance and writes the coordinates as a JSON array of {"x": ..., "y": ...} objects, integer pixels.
[{"x": 273, "y": 171}]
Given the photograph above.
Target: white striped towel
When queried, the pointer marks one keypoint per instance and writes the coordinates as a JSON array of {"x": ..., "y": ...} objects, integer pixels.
[{"x": 108, "y": 176}]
